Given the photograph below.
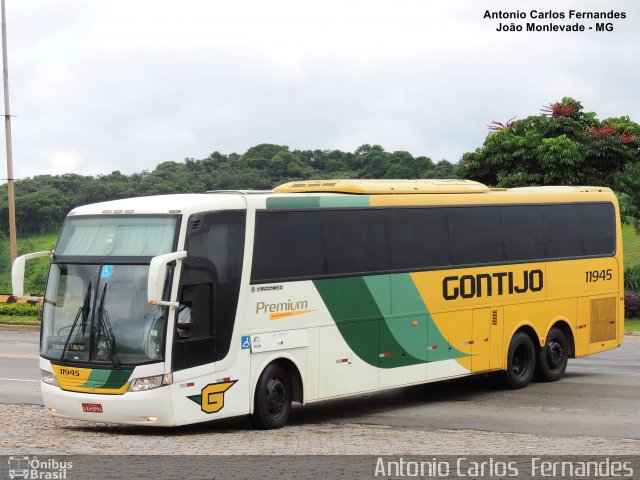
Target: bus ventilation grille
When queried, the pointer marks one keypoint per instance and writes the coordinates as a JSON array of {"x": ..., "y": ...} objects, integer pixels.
[
  {"x": 603, "y": 319},
  {"x": 494, "y": 317}
]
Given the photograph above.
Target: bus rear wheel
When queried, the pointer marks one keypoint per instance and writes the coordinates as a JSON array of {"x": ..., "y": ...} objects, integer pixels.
[
  {"x": 521, "y": 362},
  {"x": 553, "y": 357},
  {"x": 272, "y": 400}
]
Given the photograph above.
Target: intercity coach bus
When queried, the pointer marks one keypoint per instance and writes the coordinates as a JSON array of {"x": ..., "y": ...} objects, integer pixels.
[{"x": 177, "y": 309}]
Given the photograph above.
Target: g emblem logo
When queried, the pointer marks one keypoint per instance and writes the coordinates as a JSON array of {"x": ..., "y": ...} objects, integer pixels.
[{"x": 211, "y": 399}]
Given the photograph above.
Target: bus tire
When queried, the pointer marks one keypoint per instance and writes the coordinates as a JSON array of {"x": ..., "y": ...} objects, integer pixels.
[
  {"x": 553, "y": 357},
  {"x": 521, "y": 362},
  {"x": 272, "y": 399}
]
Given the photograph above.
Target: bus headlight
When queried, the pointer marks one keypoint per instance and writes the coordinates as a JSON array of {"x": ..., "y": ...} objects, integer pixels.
[
  {"x": 48, "y": 377},
  {"x": 149, "y": 383}
]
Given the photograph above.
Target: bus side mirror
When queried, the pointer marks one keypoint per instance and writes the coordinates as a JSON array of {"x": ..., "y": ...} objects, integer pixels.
[
  {"x": 158, "y": 275},
  {"x": 17, "y": 271}
]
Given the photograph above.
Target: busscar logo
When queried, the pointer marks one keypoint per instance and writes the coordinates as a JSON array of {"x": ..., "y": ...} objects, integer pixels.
[
  {"x": 27, "y": 467},
  {"x": 211, "y": 398},
  {"x": 269, "y": 288}
]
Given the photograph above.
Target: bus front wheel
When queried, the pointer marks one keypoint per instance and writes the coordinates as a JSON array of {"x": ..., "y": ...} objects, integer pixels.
[
  {"x": 272, "y": 400},
  {"x": 521, "y": 362},
  {"x": 553, "y": 357}
]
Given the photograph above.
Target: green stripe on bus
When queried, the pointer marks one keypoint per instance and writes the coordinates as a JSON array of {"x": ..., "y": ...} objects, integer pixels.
[
  {"x": 339, "y": 201},
  {"x": 380, "y": 288},
  {"x": 381, "y": 334},
  {"x": 100, "y": 378},
  {"x": 408, "y": 304},
  {"x": 333, "y": 201},
  {"x": 293, "y": 202}
]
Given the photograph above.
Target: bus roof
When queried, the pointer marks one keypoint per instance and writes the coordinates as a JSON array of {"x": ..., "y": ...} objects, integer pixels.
[
  {"x": 345, "y": 193},
  {"x": 180, "y": 203},
  {"x": 383, "y": 187}
]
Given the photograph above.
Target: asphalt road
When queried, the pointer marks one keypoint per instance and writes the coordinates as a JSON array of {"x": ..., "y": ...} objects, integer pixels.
[
  {"x": 599, "y": 396},
  {"x": 19, "y": 372}
]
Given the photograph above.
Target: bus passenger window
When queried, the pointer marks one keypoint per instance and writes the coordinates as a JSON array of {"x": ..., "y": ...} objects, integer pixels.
[
  {"x": 419, "y": 238},
  {"x": 355, "y": 241},
  {"x": 598, "y": 228},
  {"x": 523, "y": 233},
  {"x": 563, "y": 231},
  {"x": 475, "y": 234}
]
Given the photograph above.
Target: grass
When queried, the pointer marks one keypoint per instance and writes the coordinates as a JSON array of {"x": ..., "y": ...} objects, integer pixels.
[
  {"x": 37, "y": 269},
  {"x": 632, "y": 325},
  {"x": 631, "y": 242},
  {"x": 43, "y": 242},
  {"x": 18, "y": 320}
]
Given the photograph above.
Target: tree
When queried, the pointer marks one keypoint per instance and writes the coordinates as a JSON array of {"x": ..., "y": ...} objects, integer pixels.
[
  {"x": 260, "y": 156},
  {"x": 628, "y": 186},
  {"x": 402, "y": 165},
  {"x": 562, "y": 145},
  {"x": 375, "y": 161},
  {"x": 42, "y": 202}
]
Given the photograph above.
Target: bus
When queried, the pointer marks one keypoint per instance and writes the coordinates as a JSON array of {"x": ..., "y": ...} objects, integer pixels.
[{"x": 176, "y": 309}]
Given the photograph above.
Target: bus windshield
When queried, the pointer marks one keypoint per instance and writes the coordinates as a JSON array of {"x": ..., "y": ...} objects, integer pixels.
[
  {"x": 121, "y": 236},
  {"x": 100, "y": 314}
]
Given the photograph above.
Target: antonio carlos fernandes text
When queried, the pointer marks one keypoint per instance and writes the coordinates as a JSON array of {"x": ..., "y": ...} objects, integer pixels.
[{"x": 539, "y": 468}]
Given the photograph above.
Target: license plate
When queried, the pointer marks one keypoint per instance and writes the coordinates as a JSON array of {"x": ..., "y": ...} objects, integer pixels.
[{"x": 92, "y": 407}]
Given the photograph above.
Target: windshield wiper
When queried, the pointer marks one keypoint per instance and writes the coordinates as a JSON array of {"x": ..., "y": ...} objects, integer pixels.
[
  {"x": 105, "y": 325},
  {"x": 82, "y": 311}
]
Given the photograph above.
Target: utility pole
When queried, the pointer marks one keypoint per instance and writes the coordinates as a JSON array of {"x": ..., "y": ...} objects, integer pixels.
[{"x": 7, "y": 132}]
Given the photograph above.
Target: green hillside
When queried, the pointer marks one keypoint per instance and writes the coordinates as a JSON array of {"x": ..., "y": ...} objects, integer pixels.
[
  {"x": 631, "y": 246},
  {"x": 37, "y": 269}
]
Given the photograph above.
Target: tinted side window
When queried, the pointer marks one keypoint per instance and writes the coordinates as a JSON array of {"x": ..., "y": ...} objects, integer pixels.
[
  {"x": 563, "y": 231},
  {"x": 419, "y": 237},
  {"x": 287, "y": 245},
  {"x": 315, "y": 243},
  {"x": 598, "y": 228},
  {"x": 523, "y": 232},
  {"x": 355, "y": 241},
  {"x": 475, "y": 235}
]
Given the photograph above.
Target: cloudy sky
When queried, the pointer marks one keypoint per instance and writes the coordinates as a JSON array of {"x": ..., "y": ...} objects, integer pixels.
[{"x": 98, "y": 86}]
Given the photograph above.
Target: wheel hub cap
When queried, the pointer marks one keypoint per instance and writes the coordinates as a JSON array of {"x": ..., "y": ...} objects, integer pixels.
[
  {"x": 555, "y": 354},
  {"x": 276, "y": 397}
]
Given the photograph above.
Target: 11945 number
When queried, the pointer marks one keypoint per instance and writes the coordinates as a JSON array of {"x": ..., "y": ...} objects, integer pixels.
[{"x": 598, "y": 275}]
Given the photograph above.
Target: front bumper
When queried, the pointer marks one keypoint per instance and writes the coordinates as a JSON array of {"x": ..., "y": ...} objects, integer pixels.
[{"x": 152, "y": 407}]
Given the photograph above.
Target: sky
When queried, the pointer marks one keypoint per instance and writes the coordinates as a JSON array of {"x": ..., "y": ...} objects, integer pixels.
[{"x": 98, "y": 86}]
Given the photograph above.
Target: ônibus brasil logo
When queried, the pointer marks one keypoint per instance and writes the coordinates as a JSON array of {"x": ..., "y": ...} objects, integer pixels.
[{"x": 35, "y": 468}]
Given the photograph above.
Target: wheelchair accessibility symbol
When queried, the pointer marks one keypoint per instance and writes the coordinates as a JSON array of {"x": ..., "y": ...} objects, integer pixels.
[
  {"x": 246, "y": 342},
  {"x": 107, "y": 271}
]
